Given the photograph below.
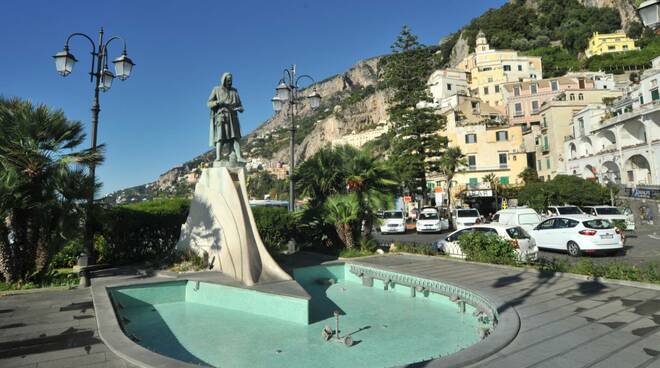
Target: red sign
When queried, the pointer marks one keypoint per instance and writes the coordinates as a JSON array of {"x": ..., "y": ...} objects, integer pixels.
[{"x": 407, "y": 199}]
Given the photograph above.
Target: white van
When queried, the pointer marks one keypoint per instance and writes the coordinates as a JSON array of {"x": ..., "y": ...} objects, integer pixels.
[
  {"x": 463, "y": 217},
  {"x": 524, "y": 217}
]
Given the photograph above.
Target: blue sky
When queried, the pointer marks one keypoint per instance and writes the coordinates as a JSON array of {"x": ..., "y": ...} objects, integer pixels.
[{"x": 158, "y": 117}]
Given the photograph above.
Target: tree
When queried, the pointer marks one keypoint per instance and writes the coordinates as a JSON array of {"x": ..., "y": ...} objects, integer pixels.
[
  {"x": 494, "y": 183},
  {"x": 343, "y": 211},
  {"x": 371, "y": 180},
  {"x": 416, "y": 145},
  {"x": 529, "y": 175},
  {"x": 563, "y": 189},
  {"x": 321, "y": 176},
  {"x": 635, "y": 30},
  {"x": 451, "y": 161},
  {"x": 42, "y": 183}
]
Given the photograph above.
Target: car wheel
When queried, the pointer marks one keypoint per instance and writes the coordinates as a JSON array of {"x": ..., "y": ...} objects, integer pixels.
[{"x": 573, "y": 249}]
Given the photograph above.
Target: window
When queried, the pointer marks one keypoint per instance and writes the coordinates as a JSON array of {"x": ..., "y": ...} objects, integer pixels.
[
  {"x": 497, "y": 88},
  {"x": 580, "y": 96},
  {"x": 474, "y": 181},
  {"x": 535, "y": 107},
  {"x": 555, "y": 86},
  {"x": 472, "y": 162},
  {"x": 490, "y": 79},
  {"x": 655, "y": 95},
  {"x": 538, "y": 165},
  {"x": 641, "y": 100},
  {"x": 564, "y": 223},
  {"x": 600, "y": 224},
  {"x": 448, "y": 86},
  {"x": 547, "y": 163},
  {"x": 486, "y": 230},
  {"x": 503, "y": 160},
  {"x": 519, "y": 111},
  {"x": 611, "y": 47},
  {"x": 546, "y": 145},
  {"x": 516, "y": 91},
  {"x": 625, "y": 47},
  {"x": 507, "y": 68},
  {"x": 470, "y": 138},
  {"x": 532, "y": 88},
  {"x": 547, "y": 224},
  {"x": 485, "y": 90},
  {"x": 520, "y": 68},
  {"x": 571, "y": 97},
  {"x": 502, "y": 135},
  {"x": 504, "y": 180}
]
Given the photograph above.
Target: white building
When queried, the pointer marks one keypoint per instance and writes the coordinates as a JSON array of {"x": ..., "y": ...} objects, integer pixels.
[
  {"x": 359, "y": 139},
  {"x": 445, "y": 85},
  {"x": 620, "y": 143}
]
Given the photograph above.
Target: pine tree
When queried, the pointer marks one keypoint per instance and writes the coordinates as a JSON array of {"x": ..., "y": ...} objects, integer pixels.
[{"x": 417, "y": 145}]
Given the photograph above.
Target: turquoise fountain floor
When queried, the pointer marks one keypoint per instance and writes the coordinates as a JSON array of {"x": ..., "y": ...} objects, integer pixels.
[{"x": 389, "y": 328}]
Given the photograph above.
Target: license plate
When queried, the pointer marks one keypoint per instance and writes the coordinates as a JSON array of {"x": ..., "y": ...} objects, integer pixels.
[
  {"x": 392, "y": 225},
  {"x": 607, "y": 236}
]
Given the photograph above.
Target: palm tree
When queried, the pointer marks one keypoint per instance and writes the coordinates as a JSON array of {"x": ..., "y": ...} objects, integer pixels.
[
  {"x": 342, "y": 211},
  {"x": 320, "y": 176},
  {"x": 451, "y": 161},
  {"x": 42, "y": 182},
  {"x": 491, "y": 179},
  {"x": 371, "y": 180}
]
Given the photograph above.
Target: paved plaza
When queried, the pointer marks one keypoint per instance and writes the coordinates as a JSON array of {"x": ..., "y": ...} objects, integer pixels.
[{"x": 565, "y": 321}]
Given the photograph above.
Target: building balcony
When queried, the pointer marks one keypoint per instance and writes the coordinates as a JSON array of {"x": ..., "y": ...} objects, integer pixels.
[
  {"x": 644, "y": 109},
  {"x": 608, "y": 148},
  {"x": 499, "y": 167}
]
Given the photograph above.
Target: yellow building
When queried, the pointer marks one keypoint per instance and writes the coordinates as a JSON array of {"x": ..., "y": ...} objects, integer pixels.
[
  {"x": 609, "y": 42},
  {"x": 488, "y": 69},
  {"x": 489, "y": 144}
]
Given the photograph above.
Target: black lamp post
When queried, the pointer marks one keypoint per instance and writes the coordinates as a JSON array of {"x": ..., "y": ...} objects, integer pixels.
[
  {"x": 102, "y": 78},
  {"x": 286, "y": 93}
]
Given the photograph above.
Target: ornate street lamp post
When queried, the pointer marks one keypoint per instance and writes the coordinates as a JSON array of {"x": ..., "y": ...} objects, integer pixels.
[
  {"x": 286, "y": 93},
  {"x": 102, "y": 78}
]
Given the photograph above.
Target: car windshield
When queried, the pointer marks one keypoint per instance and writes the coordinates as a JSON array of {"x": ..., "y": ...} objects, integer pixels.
[
  {"x": 570, "y": 210},
  {"x": 517, "y": 233},
  {"x": 598, "y": 224},
  {"x": 428, "y": 216},
  {"x": 608, "y": 211},
  {"x": 529, "y": 219},
  {"x": 468, "y": 213},
  {"x": 393, "y": 214}
]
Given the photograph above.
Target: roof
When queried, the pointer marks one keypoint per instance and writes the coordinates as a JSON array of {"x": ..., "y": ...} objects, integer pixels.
[{"x": 575, "y": 217}]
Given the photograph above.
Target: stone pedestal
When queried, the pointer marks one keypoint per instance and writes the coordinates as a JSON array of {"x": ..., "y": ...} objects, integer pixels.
[{"x": 221, "y": 224}]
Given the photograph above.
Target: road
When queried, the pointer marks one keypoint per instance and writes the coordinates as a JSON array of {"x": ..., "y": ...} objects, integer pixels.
[{"x": 642, "y": 246}]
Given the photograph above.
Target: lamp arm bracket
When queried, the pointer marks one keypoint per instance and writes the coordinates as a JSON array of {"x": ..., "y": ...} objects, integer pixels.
[
  {"x": 302, "y": 77},
  {"x": 66, "y": 44}
]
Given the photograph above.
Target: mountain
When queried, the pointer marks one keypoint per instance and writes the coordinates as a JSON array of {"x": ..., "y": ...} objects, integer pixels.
[{"x": 353, "y": 101}]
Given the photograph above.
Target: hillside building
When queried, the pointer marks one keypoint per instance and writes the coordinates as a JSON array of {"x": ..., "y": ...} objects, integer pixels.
[
  {"x": 489, "y": 144},
  {"x": 359, "y": 139},
  {"x": 605, "y": 43},
  {"x": 556, "y": 118},
  {"x": 488, "y": 69},
  {"x": 445, "y": 84},
  {"x": 620, "y": 143}
]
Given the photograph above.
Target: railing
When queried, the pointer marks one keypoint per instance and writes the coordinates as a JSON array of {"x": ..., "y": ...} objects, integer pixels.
[
  {"x": 608, "y": 148},
  {"x": 487, "y": 167}
]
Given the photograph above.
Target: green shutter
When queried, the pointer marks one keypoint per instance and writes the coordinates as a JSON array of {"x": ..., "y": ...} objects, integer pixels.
[
  {"x": 474, "y": 181},
  {"x": 504, "y": 180}
]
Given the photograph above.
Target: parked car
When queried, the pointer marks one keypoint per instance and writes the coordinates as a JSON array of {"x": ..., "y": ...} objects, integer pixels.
[
  {"x": 611, "y": 213},
  {"x": 429, "y": 220},
  {"x": 525, "y": 217},
  {"x": 463, "y": 217},
  {"x": 577, "y": 234},
  {"x": 562, "y": 210},
  {"x": 524, "y": 244},
  {"x": 393, "y": 222}
]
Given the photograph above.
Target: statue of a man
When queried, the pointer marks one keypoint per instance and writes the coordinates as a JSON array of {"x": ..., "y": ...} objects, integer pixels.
[{"x": 225, "y": 128}]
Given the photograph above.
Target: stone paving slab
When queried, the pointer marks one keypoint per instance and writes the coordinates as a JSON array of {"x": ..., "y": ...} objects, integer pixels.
[{"x": 565, "y": 321}]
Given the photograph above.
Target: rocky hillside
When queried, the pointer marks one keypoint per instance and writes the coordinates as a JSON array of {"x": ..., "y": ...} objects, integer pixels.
[{"x": 351, "y": 101}]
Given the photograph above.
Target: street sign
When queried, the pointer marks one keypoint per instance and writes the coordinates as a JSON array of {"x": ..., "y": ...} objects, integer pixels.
[{"x": 407, "y": 199}]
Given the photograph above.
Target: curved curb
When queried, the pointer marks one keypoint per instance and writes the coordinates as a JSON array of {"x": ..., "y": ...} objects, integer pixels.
[{"x": 507, "y": 329}]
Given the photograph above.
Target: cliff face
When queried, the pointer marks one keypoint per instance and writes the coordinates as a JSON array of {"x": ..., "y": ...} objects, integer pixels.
[{"x": 350, "y": 102}]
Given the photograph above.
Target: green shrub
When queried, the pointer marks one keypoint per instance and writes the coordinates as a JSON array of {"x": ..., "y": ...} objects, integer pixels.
[
  {"x": 142, "y": 231},
  {"x": 491, "y": 248},
  {"x": 620, "y": 225},
  {"x": 68, "y": 256},
  {"x": 276, "y": 226},
  {"x": 424, "y": 249}
]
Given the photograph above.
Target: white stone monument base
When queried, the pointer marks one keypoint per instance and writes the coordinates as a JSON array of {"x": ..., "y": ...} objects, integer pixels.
[{"x": 220, "y": 223}]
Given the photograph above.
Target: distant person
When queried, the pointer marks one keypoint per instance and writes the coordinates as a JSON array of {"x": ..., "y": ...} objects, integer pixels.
[
  {"x": 649, "y": 215},
  {"x": 477, "y": 221}
]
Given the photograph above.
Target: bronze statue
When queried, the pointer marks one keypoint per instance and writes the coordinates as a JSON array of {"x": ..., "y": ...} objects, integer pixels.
[{"x": 225, "y": 104}]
